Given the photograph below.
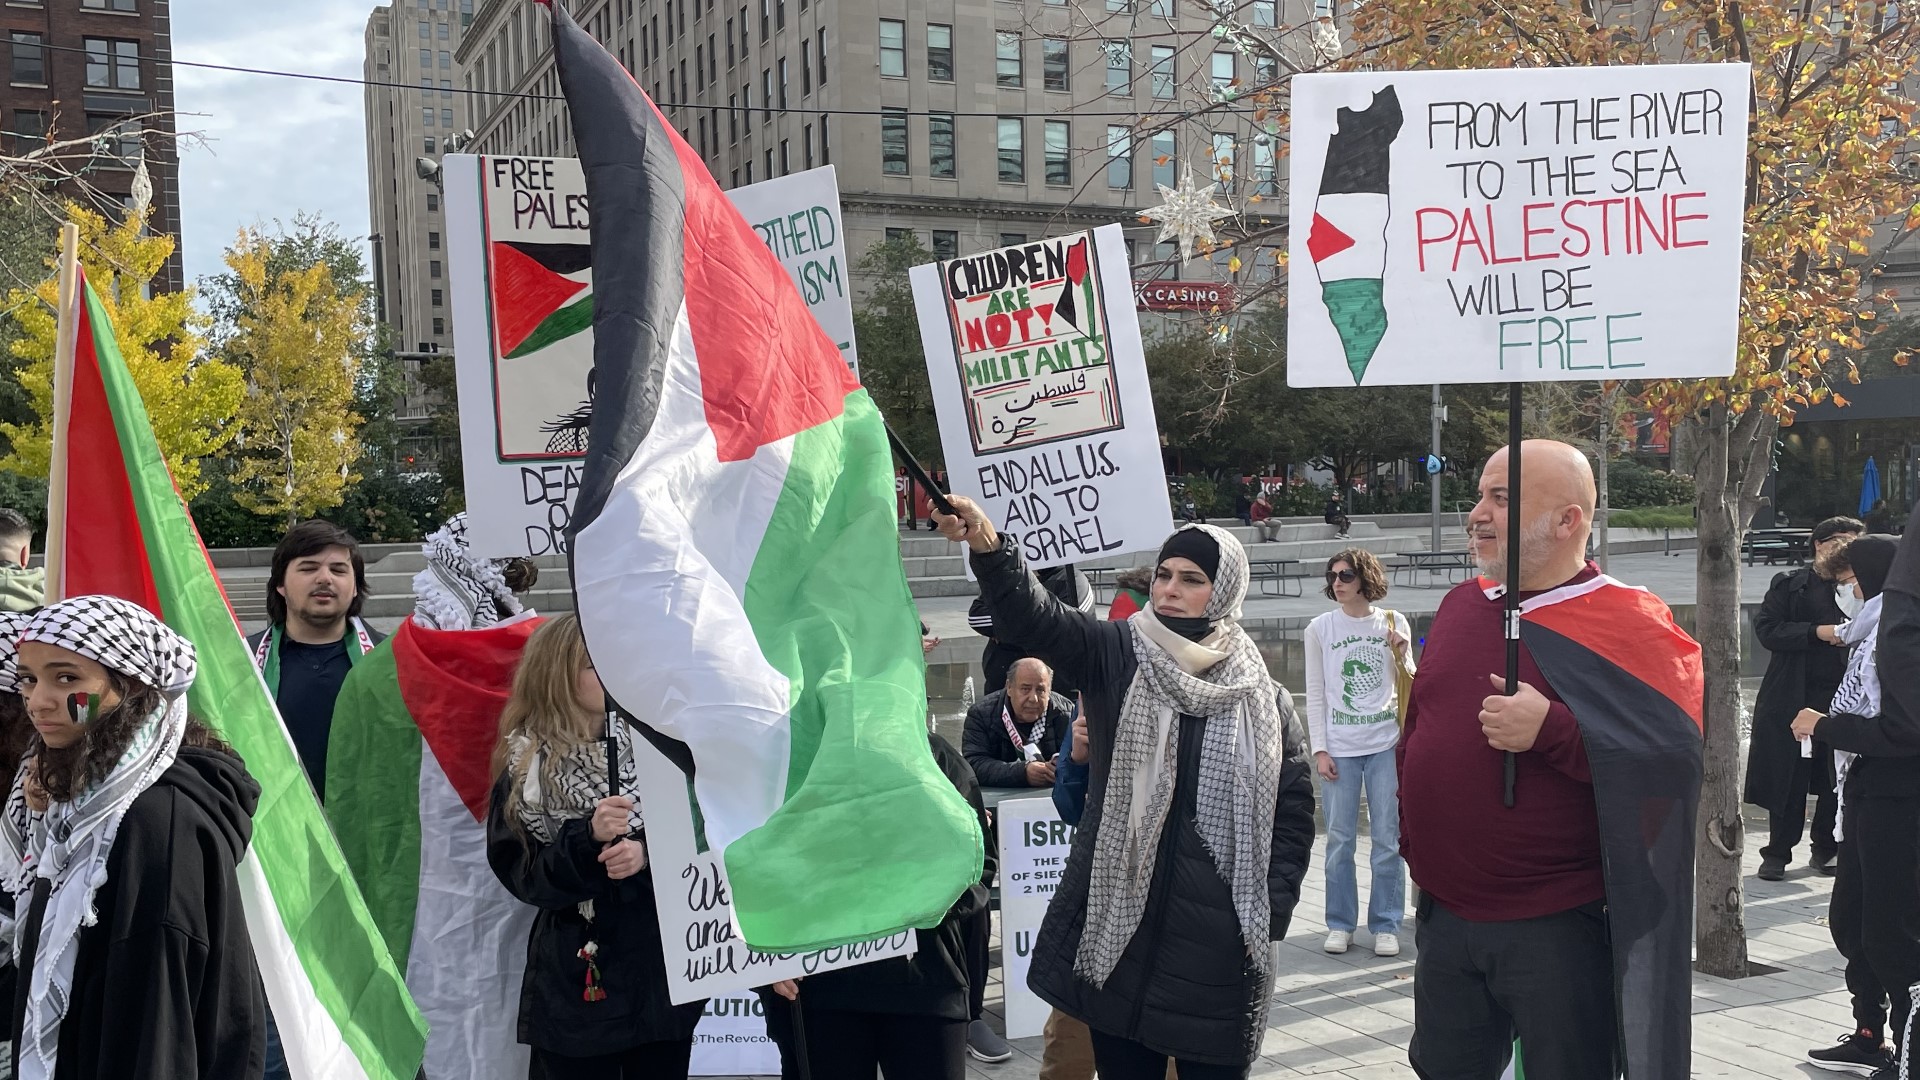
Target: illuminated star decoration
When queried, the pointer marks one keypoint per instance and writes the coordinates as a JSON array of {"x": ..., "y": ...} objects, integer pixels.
[{"x": 1187, "y": 214}]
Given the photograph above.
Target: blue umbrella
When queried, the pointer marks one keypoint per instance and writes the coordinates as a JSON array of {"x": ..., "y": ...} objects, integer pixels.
[{"x": 1869, "y": 487}]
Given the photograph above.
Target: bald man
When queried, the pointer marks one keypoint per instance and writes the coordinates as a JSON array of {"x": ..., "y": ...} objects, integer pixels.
[{"x": 1522, "y": 923}]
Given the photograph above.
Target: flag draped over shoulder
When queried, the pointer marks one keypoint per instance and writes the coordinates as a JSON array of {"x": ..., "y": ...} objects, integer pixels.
[
  {"x": 409, "y": 774},
  {"x": 1633, "y": 682},
  {"x": 735, "y": 558},
  {"x": 338, "y": 998}
]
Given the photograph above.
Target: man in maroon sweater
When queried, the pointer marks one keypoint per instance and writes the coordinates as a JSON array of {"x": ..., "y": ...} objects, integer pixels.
[{"x": 1513, "y": 929}]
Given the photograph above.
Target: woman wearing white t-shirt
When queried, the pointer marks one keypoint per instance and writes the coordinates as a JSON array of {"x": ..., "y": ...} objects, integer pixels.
[{"x": 1354, "y": 655}]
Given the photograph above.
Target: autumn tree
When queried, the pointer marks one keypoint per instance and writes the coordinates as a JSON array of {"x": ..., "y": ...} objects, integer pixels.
[
  {"x": 1827, "y": 191},
  {"x": 886, "y": 331},
  {"x": 190, "y": 398},
  {"x": 1593, "y": 417}
]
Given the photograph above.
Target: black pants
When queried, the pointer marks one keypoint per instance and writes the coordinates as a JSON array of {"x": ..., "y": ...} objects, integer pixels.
[
  {"x": 976, "y": 935},
  {"x": 1887, "y": 832},
  {"x": 1115, "y": 1058},
  {"x": 1477, "y": 985},
  {"x": 648, "y": 1061},
  {"x": 1845, "y": 910},
  {"x": 1784, "y": 830},
  {"x": 851, "y": 1045}
]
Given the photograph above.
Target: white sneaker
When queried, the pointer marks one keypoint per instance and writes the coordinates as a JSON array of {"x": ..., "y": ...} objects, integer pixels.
[
  {"x": 1386, "y": 944},
  {"x": 1338, "y": 940}
]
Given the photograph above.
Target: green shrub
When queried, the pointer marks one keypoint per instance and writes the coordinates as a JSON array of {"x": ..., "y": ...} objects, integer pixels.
[{"x": 1632, "y": 485}]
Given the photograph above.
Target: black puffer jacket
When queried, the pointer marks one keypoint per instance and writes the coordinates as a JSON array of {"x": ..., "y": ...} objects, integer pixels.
[{"x": 1184, "y": 986}]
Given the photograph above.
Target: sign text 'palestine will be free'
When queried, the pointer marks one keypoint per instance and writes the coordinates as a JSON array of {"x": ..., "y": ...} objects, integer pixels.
[{"x": 1516, "y": 225}]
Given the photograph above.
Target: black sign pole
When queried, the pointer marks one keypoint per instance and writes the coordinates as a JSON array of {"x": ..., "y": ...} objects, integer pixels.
[{"x": 1512, "y": 619}]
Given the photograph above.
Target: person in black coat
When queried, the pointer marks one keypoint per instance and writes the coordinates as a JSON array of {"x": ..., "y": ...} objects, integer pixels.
[
  {"x": 576, "y": 853},
  {"x": 905, "y": 1016},
  {"x": 1796, "y": 623},
  {"x": 1159, "y": 936},
  {"x": 1038, "y": 718},
  {"x": 1065, "y": 582}
]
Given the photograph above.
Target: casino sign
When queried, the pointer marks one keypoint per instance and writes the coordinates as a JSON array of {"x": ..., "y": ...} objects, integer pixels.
[{"x": 1182, "y": 295}]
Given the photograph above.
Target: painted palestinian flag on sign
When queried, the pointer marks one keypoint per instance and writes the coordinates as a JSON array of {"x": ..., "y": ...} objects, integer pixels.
[
  {"x": 336, "y": 994},
  {"x": 1348, "y": 237},
  {"x": 537, "y": 294},
  {"x": 736, "y": 562},
  {"x": 1633, "y": 682},
  {"x": 409, "y": 774}
]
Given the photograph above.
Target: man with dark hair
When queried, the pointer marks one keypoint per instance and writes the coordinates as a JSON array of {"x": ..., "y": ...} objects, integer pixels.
[
  {"x": 1798, "y": 623},
  {"x": 22, "y": 588},
  {"x": 314, "y": 597}
]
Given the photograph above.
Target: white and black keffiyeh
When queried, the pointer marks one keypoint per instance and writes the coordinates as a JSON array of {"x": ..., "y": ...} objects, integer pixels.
[
  {"x": 1859, "y": 693},
  {"x": 12, "y": 623},
  {"x": 68, "y": 844},
  {"x": 1223, "y": 679},
  {"x": 559, "y": 787},
  {"x": 457, "y": 591}
]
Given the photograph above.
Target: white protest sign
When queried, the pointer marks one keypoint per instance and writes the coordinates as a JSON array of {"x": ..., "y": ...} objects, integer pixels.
[
  {"x": 732, "y": 1039},
  {"x": 706, "y": 956},
  {"x": 1516, "y": 225},
  {"x": 1040, "y": 384},
  {"x": 1034, "y": 843},
  {"x": 520, "y": 269}
]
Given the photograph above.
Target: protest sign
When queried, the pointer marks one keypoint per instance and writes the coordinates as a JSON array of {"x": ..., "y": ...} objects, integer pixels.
[
  {"x": 1034, "y": 843},
  {"x": 1516, "y": 225},
  {"x": 732, "y": 1038},
  {"x": 1040, "y": 386},
  {"x": 521, "y": 272},
  {"x": 706, "y": 956}
]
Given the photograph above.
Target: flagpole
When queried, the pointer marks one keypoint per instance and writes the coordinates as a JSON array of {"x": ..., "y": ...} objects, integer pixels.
[{"x": 66, "y": 337}]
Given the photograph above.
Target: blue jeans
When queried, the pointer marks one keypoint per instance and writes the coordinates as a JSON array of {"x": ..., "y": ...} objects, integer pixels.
[{"x": 1341, "y": 797}]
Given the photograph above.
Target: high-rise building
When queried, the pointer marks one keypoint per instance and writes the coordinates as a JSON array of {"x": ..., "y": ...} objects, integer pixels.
[
  {"x": 413, "y": 111},
  {"x": 101, "y": 68}
]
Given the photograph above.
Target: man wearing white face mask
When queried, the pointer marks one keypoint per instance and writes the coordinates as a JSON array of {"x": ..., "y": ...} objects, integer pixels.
[{"x": 1798, "y": 623}]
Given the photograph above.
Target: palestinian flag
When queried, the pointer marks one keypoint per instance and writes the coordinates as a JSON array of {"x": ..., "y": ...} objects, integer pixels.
[
  {"x": 1348, "y": 238},
  {"x": 537, "y": 294},
  {"x": 736, "y": 563},
  {"x": 336, "y": 994},
  {"x": 409, "y": 774},
  {"x": 1633, "y": 682}
]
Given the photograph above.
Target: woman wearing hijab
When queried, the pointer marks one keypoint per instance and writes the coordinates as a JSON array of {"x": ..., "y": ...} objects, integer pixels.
[
  {"x": 1199, "y": 817},
  {"x": 459, "y": 592},
  {"x": 120, "y": 838}
]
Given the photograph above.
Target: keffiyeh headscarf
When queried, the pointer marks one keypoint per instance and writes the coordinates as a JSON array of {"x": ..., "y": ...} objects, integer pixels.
[
  {"x": 457, "y": 591},
  {"x": 1222, "y": 678},
  {"x": 68, "y": 843},
  {"x": 12, "y": 624},
  {"x": 559, "y": 787}
]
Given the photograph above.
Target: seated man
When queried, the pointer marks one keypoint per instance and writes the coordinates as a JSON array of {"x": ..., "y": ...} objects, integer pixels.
[{"x": 1012, "y": 735}]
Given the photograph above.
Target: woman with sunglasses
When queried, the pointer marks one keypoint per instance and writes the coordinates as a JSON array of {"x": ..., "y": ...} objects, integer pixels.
[{"x": 1355, "y": 656}]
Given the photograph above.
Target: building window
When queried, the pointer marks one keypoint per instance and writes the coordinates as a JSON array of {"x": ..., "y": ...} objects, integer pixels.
[
  {"x": 1265, "y": 13},
  {"x": 703, "y": 136},
  {"x": 820, "y": 51},
  {"x": 1163, "y": 72},
  {"x": 1053, "y": 63},
  {"x": 29, "y": 129},
  {"x": 1006, "y": 59},
  {"x": 1058, "y": 144},
  {"x": 1323, "y": 9},
  {"x": 780, "y": 14},
  {"x": 733, "y": 118},
  {"x": 826, "y": 155},
  {"x": 439, "y": 298},
  {"x": 783, "y": 83},
  {"x": 1266, "y": 181},
  {"x": 446, "y": 59},
  {"x": 433, "y": 241},
  {"x": 893, "y": 142},
  {"x": 766, "y": 95},
  {"x": 433, "y": 202},
  {"x": 440, "y": 31},
  {"x": 120, "y": 138},
  {"x": 426, "y": 116},
  {"x": 1119, "y": 66},
  {"x": 439, "y": 326},
  {"x": 730, "y": 53},
  {"x": 900, "y": 236},
  {"x": 893, "y": 49},
  {"x": 766, "y": 20},
  {"x": 939, "y": 52},
  {"x": 749, "y": 168},
  {"x": 1222, "y": 70},
  {"x": 446, "y": 118},
  {"x": 426, "y": 58},
  {"x": 743, "y": 43},
  {"x": 1119, "y": 157},
  {"x": 806, "y": 70},
  {"x": 806, "y": 141},
  {"x": 426, "y": 31},
  {"x": 946, "y": 244},
  {"x": 1011, "y": 140},
  {"x": 786, "y": 159},
  {"x": 1266, "y": 71},
  {"x": 108, "y": 5},
  {"x": 940, "y": 145},
  {"x": 1161, "y": 148},
  {"x": 1012, "y": 239},
  {"x": 428, "y": 143},
  {"x": 29, "y": 58},
  {"x": 700, "y": 65},
  {"x": 433, "y": 269},
  {"x": 1223, "y": 157},
  {"x": 768, "y": 158}
]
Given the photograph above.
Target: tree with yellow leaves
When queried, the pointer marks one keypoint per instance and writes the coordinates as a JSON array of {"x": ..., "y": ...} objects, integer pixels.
[
  {"x": 299, "y": 337},
  {"x": 190, "y": 398}
]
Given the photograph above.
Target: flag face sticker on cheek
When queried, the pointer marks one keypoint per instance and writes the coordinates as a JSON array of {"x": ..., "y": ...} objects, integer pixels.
[{"x": 82, "y": 708}]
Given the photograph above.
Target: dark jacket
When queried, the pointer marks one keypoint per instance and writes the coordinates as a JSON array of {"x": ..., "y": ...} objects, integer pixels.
[
  {"x": 1888, "y": 744},
  {"x": 1070, "y": 586},
  {"x": 931, "y": 982},
  {"x": 165, "y": 984},
  {"x": 1802, "y": 673},
  {"x": 556, "y": 878},
  {"x": 988, "y": 749},
  {"x": 1183, "y": 986}
]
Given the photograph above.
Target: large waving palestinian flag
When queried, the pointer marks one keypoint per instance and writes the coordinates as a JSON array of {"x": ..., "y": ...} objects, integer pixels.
[
  {"x": 409, "y": 773},
  {"x": 736, "y": 563},
  {"x": 1348, "y": 237},
  {"x": 1633, "y": 682},
  {"x": 537, "y": 294},
  {"x": 335, "y": 992}
]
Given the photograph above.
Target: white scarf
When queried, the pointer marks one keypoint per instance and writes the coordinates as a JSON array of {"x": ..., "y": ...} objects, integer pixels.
[
  {"x": 1223, "y": 679},
  {"x": 1859, "y": 694}
]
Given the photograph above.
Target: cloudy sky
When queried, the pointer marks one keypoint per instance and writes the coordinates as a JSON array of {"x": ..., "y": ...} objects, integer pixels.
[{"x": 274, "y": 146}]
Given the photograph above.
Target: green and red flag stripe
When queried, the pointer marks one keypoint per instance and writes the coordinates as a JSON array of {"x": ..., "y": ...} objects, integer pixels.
[{"x": 534, "y": 290}]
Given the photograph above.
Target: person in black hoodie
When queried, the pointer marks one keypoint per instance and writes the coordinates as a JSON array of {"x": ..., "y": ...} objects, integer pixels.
[
  {"x": 1199, "y": 815},
  {"x": 159, "y": 980},
  {"x": 1069, "y": 585},
  {"x": 1876, "y": 902},
  {"x": 594, "y": 1003},
  {"x": 906, "y": 1016}
]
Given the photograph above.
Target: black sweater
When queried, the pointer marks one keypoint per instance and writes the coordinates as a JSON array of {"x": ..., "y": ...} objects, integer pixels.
[{"x": 164, "y": 984}]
